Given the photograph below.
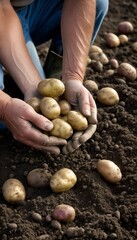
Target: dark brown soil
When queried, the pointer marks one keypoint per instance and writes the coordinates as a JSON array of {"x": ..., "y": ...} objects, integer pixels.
[{"x": 103, "y": 210}]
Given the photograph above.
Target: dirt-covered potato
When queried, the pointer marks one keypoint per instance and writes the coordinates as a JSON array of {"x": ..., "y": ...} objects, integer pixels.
[
  {"x": 134, "y": 46},
  {"x": 91, "y": 85},
  {"x": 13, "y": 191},
  {"x": 108, "y": 96},
  {"x": 95, "y": 48},
  {"x": 127, "y": 70},
  {"x": 112, "y": 40},
  {"x": 38, "y": 177},
  {"x": 65, "y": 107},
  {"x": 35, "y": 103},
  {"x": 63, "y": 180},
  {"x": 77, "y": 120},
  {"x": 49, "y": 108},
  {"x": 109, "y": 170},
  {"x": 51, "y": 87},
  {"x": 61, "y": 129},
  {"x": 125, "y": 27},
  {"x": 114, "y": 63},
  {"x": 64, "y": 213}
]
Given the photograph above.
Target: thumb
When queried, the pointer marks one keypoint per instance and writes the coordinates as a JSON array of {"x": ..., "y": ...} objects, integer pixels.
[{"x": 40, "y": 121}]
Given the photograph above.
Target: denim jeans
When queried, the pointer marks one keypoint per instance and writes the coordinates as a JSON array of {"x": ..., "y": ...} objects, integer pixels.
[{"x": 41, "y": 23}]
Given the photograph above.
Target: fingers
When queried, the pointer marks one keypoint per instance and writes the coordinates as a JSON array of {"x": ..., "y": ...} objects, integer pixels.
[
  {"x": 88, "y": 133},
  {"x": 39, "y": 120},
  {"x": 84, "y": 102}
]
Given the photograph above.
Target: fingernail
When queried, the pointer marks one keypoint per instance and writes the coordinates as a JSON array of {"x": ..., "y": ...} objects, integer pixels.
[
  {"x": 87, "y": 112},
  {"x": 93, "y": 115},
  {"x": 48, "y": 126}
]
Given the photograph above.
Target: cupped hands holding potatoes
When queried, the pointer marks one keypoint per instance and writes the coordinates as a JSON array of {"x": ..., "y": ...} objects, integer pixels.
[{"x": 71, "y": 109}]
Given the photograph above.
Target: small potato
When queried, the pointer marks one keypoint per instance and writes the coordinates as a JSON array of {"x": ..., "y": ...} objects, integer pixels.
[
  {"x": 49, "y": 108},
  {"x": 123, "y": 39},
  {"x": 96, "y": 65},
  {"x": 95, "y": 48},
  {"x": 112, "y": 40},
  {"x": 109, "y": 170},
  {"x": 35, "y": 103},
  {"x": 77, "y": 120},
  {"x": 114, "y": 63},
  {"x": 63, "y": 180},
  {"x": 134, "y": 46},
  {"x": 127, "y": 70},
  {"x": 108, "y": 96},
  {"x": 38, "y": 177},
  {"x": 91, "y": 85},
  {"x": 65, "y": 107},
  {"x": 64, "y": 213},
  {"x": 61, "y": 129},
  {"x": 125, "y": 27},
  {"x": 13, "y": 191},
  {"x": 51, "y": 87},
  {"x": 99, "y": 57}
]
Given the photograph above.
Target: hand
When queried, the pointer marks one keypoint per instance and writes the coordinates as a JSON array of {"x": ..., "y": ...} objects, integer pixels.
[
  {"x": 24, "y": 123},
  {"x": 78, "y": 96}
]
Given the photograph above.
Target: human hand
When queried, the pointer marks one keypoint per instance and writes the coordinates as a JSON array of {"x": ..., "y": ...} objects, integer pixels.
[
  {"x": 26, "y": 126},
  {"x": 78, "y": 96}
]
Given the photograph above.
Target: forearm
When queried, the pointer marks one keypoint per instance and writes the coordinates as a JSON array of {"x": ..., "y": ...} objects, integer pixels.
[
  {"x": 77, "y": 26},
  {"x": 13, "y": 52}
]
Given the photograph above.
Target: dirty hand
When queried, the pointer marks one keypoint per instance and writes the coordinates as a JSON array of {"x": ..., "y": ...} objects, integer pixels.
[
  {"x": 79, "y": 97},
  {"x": 24, "y": 123}
]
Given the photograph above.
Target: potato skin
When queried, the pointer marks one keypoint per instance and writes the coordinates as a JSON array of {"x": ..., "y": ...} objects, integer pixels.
[
  {"x": 64, "y": 213},
  {"x": 77, "y": 120},
  {"x": 35, "y": 103},
  {"x": 64, "y": 106},
  {"x": 51, "y": 87},
  {"x": 13, "y": 191},
  {"x": 63, "y": 180},
  {"x": 49, "y": 108},
  {"x": 127, "y": 70},
  {"x": 108, "y": 96},
  {"x": 61, "y": 129},
  {"x": 38, "y": 177},
  {"x": 109, "y": 170}
]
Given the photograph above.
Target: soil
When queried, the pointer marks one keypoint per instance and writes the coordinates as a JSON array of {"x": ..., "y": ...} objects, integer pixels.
[{"x": 103, "y": 210}]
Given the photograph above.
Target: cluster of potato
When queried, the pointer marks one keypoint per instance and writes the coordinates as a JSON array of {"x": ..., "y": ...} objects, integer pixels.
[{"x": 51, "y": 104}]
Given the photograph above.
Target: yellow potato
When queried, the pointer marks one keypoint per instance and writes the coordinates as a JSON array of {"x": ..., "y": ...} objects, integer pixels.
[
  {"x": 91, "y": 85},
  {"x": 35, "y": 103},
  {"x": 127, "y": 70},
  {"x": 61, "y": 129},
  {"x": 109, "y": 170},
  {"x": 77, "y": 120},
  {"x": 112, "y": 40},
  {"x": 65, "y": 107},
  {"x": 108, "y": 96},
  {"x": 49, "y": 108},
  {"x": 123, "y": 39},
  {"x": 51, "y": 87},
  {"x": 63, "y": 180},
  {"x": 13, "y": 191}
]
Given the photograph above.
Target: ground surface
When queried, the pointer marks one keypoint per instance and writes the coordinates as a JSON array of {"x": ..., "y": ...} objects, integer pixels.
[{"x": 103, "y": 210}]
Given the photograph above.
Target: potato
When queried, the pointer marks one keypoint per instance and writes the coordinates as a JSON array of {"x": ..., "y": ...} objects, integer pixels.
[
  {"x": 108, "y": 96},
  {"x": 91, "y": 85},
  {"x": 64, "y": 213},
  {"x": 127, "y": 70},
  {"x": 65, "y": 107},
  {"x": 13, "y": 191},
  {"x": 77, "y": 120},
  {"x": 63, "y": 180},
  {"x": 61, "y": 129},
  {"x": 112, "y": 40},
  {"x": 125, "y": 27},
  {"x": 96, "y": 65},
  {"x": 109, "y": 170},
  {"x": 51, "y": 87},
  {"x": 114, "y": 63},
  {"x": 134, "y": 46},
  {"x": 123, "y": 39},
  {"x": 35, "y": 103},
  {"x": 99, "y": 57},
  {"x": 49, "y": 108},
  {"x": 95, "y": 48},
  {"x": 38, "y": 177}
]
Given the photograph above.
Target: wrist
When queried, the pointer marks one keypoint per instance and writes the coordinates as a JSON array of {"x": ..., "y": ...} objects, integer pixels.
[{"x": 4, "y": 100}]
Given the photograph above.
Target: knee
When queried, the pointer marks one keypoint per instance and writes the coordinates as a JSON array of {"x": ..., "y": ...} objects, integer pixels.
[{"x": 102, "y": 6}]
